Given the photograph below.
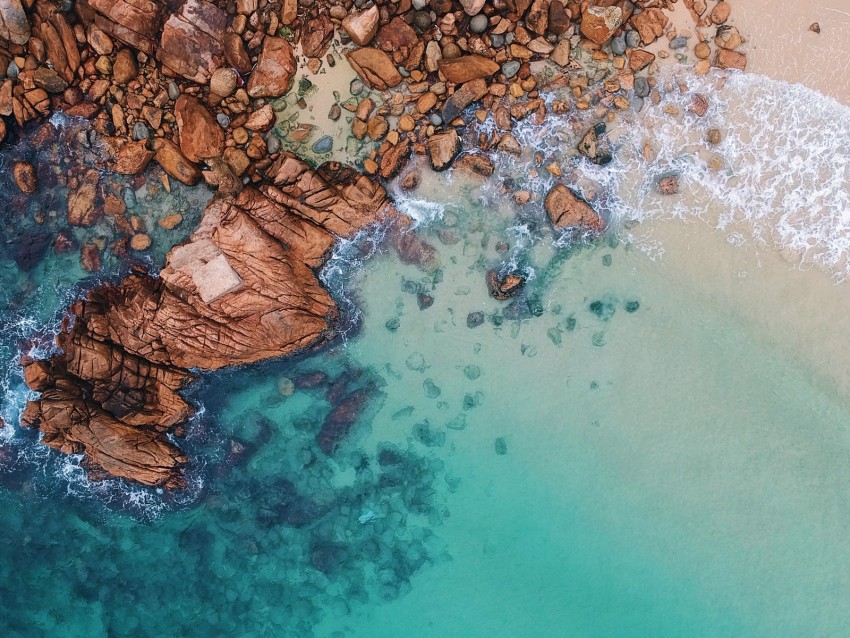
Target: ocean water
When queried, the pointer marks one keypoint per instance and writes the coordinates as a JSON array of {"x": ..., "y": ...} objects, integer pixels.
[{"x": 651, "y": 440}]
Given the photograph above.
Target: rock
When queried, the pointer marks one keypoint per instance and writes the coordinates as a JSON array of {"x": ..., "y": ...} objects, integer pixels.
[
  {"x": 324, "y": 144},
  {"x": 537, "y": 17},
  {"x": 474, "y": 319},
  {"x": 668, "y": 185},
  {"x": 698, "y": 105},
  {"x": 25, "y": 177},
  {"x": 288, "y": 11},
  {"x": 49, "y": 80},
  {"x": 140, "y": 242},
  {"x": 714, "y": 136},
  {"x": 200, "y": 135},
  {"x": 618, "y": 45},
  {"x": 475, "y": 164},
  {"x": 375, "y": 68},
  {"x": 650, "y": 24},
  {"x": 442, "y": 149},
  {"x": 223, "y": 120},
  {"x": 173, "y": 162},
  {"x": 678, "y": 43},
  {"x": 140, "y": 131},
  {"x": 395, "y": 159},
  {"x": 814, "y": 27},
  {"x": 14, "y": 25},
  {"x": 275, "y": 68},
  {"x": 132, "y": 158},
  {"x": 725, "y": 59},
  {"x": 89, "y": 260},
  {"x": 599, "y": 23},
  {"x": 504, "y": 287},
  {"x": 559, "y": 18},
  {"x": 567, "y": 210},
  {"x": 720, "y": 13},
  {"x": 361, "y": 27},
  {"x": 81, "y": 201},
  {"x": 702, "y": 50},
  {"x": 561, "y": 54},
  {"x": 192, "y": 40},
  {"x": 2, "y": 130},
  {"x": 235, "y": 53},
  {"x": 472, "y": 7},
  {"x": 238, "y": 160},
  {"x": 224, "y": 82},
  {"x": 509, "y": 144},
  {"x": 169, "y": 222},
  {"x": 240, "y": 290},
  {"x": 422, "y": 21},
  {"x": 261, "y": 120},
  {"x": 641, "y": 86},
  {"x": 317, "y": 36},
  {"x": 467, "y": 94},
  {"x": 479, "y": 24},
  {"x": 124, "y": 68},
  {"x": 468, "y": 67},
  {"x": 511, "y": 68},
  {"x": 728, "y": 38},
  {"x": 137, "y": 24},
  {"x": 396, "y": 35},
  {"x": 639, "y": 59}
]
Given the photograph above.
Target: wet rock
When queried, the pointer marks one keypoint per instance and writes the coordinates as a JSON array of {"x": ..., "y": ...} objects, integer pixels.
[
  {"x": 124, "y": 68},
  {"x": 640, "y": 59},
  {"x": 725, "y": 59},
  {"x": 29, "y": 248},
  {"x": 375, "y": 68},
  {"x": 475, "y": 164},
  {"x": 234, "y": 52},
  {"x": 504, "y": 287},
  {"x": 173, "y": 162},
  {"x": 474, "y": 319},
  {"x": 324, "y": 144},
  {"x": 632, "y": 306},
  {"x": 698, "y": 105},
  {"x": 511, "y": 68},
  {"x": 618, "y": 45},
  {"x": 668, "y": 185},
  {"x": 641, "y": 86},
  {"x": 272, "y": 76},
  {"x": 311, "y": 380},
  {"x": 25, "y": 177},
  {"x": 467, "y": 94},
  {"x": 466, "y": 68},
  {"x": 89, "y": 259},
  {"x": 567, "y": 210},
  {"x": 559, "y": 18},
  {"x": 261, "y": 120},
  {"x": 361, "y": 27},
  {"x": 49, "y": 80},
  {"x": 140, "y": 242},
  {"x": 81, "y": 202},
  {"x": 442, "y": 149},
  {"x": 714, "y": 136},
  {"x": 728, "y": 37},
  {"x": 395, "y": 159},
  {"x": 132, "y": 158},
  {"x": 424, "y": 301},
  {"x": 501, "y": 446},
  {"x": 192, "y": 39},
  {"x": 431, "y": 389},
  {"x": 591, "y": 148},
  {"x": 317, "y": 36},
  {"x": 341, "y": 419},
  {"x": 599, "y": 23},
  {"x": 200, "y": 135}
]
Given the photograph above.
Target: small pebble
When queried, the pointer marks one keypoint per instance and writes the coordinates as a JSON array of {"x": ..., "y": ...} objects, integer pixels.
[
  {"x": 422, "y": 20},
  {"x": 511, "y": 68},
  {"x": 222, "y": 120},
  {"x": 618, "y": 45},
  {"x": 678, "y": 43},
  {"x": 641, "y": 86},
  {"x": 129, "y": 196},
  {"x": 420, "y": 4},
  {"x": 173, "y": 90},
  {"x": 632, "y": 39},
  {"x": 12, "y": 70},
  {"x": 324, "y": 145},
  {"x": 140, "y": 131},
  {"x": 501, "y": 446},
  {"x": 356, "y": 87},
  {"x": 498, "y": 41},
  {"x": 435, "y": 119},
  {"x": 272, "y": 143},
  {"x": 479, "y": 23}
]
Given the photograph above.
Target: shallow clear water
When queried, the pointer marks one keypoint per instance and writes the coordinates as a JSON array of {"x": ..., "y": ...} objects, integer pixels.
[{"x": 641, "y": 445}]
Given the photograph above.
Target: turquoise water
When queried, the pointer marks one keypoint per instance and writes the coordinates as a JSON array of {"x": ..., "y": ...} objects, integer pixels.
[{"x": 637, "y": 446}]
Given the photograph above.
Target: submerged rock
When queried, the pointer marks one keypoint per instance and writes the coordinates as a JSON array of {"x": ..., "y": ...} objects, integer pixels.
[
  {"x": 568, "y": 210},
  {"x": 504, "y": 287},
  {"x": 25, "y": 177}
]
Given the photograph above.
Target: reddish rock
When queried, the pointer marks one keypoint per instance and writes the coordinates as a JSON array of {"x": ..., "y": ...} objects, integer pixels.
[
  {"x": 650, "y": 24},
  {"x": 537, "y": 17},
  {"x": 374, "y": 67},
  {"x": 640, "y": 59},
  {"x": 699, "y": 105},
  {"x": 467, "y": 94},
  {"x": 90, "y": 258},
  {"x": 395, "y": 35},
  {"x": 133, "y": 158},
  {"x": 124, "y": 68},
  {"x": 504, "y": 287},
  {"x": 137, "y": 23},
  {"x": 191, "y": 41},
  {"x": 173, "y": 162},
  {"x": 668, "y": 185},
  {"x": 468, "y": 67},
  {"x": 361, "y": 27},
  {"x": 317, "y": 36},
  {"x": 235, "y": 53},
  {"x": 567, "y": 210},
  {"x": 442, "y": 149},
  {"x": 201, "y": 137},
  {"x": 395, "y": 159},
  {"x": 25, "y": 177},
  {"x": 475, "y": 164},
  {"x": 725, "y": 59},
  {"x": 598, "y": 23},
  {"x": 261, "y": 120},
  {"x": 82, "y": 209},
  {"x": 272, "y": 76},
  {"x": 14, "y": 25}
]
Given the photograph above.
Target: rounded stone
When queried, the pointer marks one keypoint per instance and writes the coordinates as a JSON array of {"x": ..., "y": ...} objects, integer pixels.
[
  {"x": 702, "y": 50},
  {"x": 356, "y": 87},
  {"x": 451, "y": 51},
  {"x": 12, "y": 70},
  {"x": 173, "y": 90},
  {"x": 129, "y": 196},
  {"x": 272, "y": 143},
  {"x": 678, "y": 43},
  {"x": 140, "y": 131},
  {"x": 435, "y": 119},
  {"x": 422, "y": 20},
  {"x": 140, "y": 242},
  {"x": 479, "y": 23},
  {"x": 222, "y": 120},
  {"x": 618, "y": 45},
  {"x": 637, "y": 104},
  {"x": 511, "y": 68},
  {"x": 632, "y": 39},
  {"x": 324, "y": 145},
  {"x": 641, "y": 86},
  {"x": 498, "y": 41},
  {"x": 224, "y": 82},
  {"x": 420, "y": 4}
]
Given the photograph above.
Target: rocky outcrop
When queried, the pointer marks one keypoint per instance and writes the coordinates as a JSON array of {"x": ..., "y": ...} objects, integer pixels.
[
  {"x": 567, "y": 210},
  {"x": 191, "y": 41},
  {"x": 242, "y": 289}
]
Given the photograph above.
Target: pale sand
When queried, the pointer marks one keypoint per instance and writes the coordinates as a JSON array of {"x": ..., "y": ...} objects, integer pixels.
[{"x": 781, "y": 46}]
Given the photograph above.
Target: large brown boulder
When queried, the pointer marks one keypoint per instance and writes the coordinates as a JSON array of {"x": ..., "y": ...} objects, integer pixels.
[
  {"x": 191, "y": 41},
  {"x": 442, "y": 149},
  {"x": 317, "y": 36},
  {"x": 467, "y": 67},
  {"x": 362, "y": 27},
  {"x": 598, "y": 23},
  {"x": 272, "y": 76},
  {"x": 650, "y": 24},
  {"x": 201, "y": 137},
  {"x": 567, "y": 210},
  {"x": 14, "y": 25},
  {"x": 375, "y": 67},
  {"x": 137, "y": 23},
  {"x": 242, "y": 289},
  {"x": 173, "y": 162}
]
